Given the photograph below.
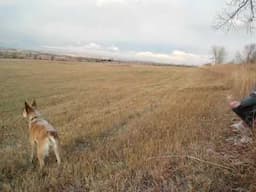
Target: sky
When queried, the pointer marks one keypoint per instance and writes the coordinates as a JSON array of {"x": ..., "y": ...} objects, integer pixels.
[{"x": 163, "y": 31}]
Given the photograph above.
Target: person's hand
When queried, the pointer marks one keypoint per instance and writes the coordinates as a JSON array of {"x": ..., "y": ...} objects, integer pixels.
[{"x": 234, "y": 104}]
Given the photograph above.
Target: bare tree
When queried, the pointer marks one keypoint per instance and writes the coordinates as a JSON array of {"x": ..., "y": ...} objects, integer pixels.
[
  {"x": 247, "y": 56},
  {"x": 219, "y": 54},
  {"x": 238, "y": 58},
  {"x": 237, "y": 12},
  {"x": 250, "y": 53}
]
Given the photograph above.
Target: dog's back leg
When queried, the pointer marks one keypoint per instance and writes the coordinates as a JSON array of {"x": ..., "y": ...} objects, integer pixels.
[{"x": 42, "y": 151}]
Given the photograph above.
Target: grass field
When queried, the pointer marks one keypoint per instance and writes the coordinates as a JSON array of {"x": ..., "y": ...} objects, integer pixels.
[{"x": 126, "y": 127}]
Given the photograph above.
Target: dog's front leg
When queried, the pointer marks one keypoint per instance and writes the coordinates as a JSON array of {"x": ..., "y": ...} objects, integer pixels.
[{"x": 32, "y": 143}]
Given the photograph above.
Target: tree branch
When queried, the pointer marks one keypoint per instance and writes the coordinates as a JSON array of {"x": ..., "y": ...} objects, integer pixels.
[{"x": 242, "y": 6}]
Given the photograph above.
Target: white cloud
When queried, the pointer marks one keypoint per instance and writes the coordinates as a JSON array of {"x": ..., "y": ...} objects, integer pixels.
[
  {"x": 76, "y": 48},
  {"x": 101, "y": 3},
  {"x": 176, "y": 57},
  {"x": 150, "y": 55},
  {"x": 92, "y": 46},
  {"x": 97, "y": 50},
  {"x": 113, "y": 48},
  {"x": 90, "y": 49}
]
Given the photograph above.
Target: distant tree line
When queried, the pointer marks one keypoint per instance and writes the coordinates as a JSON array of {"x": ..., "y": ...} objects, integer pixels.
[
  {"x": 246, "y": 56},
  {"x": 36, "y": 55}
]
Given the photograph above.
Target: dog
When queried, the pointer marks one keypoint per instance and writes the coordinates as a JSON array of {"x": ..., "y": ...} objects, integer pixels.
[{"x": 41, "y": 133}]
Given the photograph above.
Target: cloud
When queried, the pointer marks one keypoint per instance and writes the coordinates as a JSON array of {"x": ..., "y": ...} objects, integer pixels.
[
  {"x": 79, "y": 47},
  {"x": 101, "y": 3},
  {"x": 90, "y": 49},
  {"x": 176, "y": 57},
  {"x": 92, "y": 46},
  {"x": 148, "y": 28},
  {"x": 154, "y": 55},
  {"x": 113, "y": 48},
  {"x": 105, "y": 51}
]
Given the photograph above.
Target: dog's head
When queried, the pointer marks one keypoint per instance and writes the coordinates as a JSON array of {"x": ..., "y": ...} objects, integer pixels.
[{"x": 30, "y": 110}]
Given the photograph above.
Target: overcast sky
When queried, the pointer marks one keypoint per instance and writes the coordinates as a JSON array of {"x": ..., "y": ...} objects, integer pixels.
[{"x": 167, "y": 31}]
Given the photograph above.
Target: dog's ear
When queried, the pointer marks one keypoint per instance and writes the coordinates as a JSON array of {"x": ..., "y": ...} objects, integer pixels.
[
  {"x": 34, "y": 103},
  {"x": 27, "y": 107}
]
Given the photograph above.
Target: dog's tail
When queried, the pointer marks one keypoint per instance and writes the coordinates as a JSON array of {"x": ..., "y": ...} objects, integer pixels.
[
  {"x": 53, "y": 134},
  {"x": 54, "y": 139}
]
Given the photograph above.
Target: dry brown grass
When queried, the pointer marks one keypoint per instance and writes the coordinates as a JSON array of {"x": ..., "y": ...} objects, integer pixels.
[{"x": 125, "y": 127}]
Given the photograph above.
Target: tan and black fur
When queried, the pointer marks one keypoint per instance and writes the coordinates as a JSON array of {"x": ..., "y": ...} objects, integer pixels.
[{"x": 41, "y": 133}]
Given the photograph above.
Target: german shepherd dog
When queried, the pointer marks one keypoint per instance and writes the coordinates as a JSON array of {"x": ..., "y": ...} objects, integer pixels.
[{"x": 41, "y": 133}]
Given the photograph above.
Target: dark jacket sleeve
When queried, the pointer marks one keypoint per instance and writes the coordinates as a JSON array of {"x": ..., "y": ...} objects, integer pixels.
[
  {"x": 253, "y": 93},
  {"x": 248, "y": 101}
]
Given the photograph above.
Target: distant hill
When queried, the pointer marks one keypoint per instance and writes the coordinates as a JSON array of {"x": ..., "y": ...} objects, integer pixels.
[{"x": 11, "y": 53}]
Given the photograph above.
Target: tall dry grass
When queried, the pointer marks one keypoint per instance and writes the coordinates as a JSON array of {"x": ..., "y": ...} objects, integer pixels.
[
  {"x": 244, "y": 80},
  {"x": 124, "y": 127},
  {"x": 241, "y": 78}
]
